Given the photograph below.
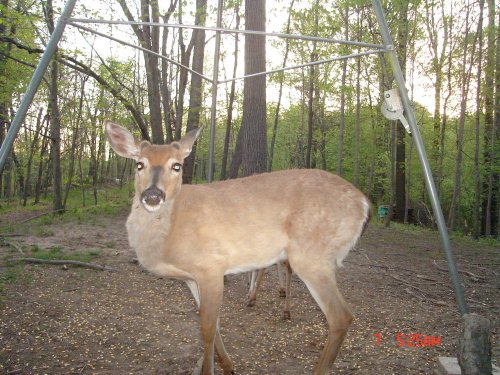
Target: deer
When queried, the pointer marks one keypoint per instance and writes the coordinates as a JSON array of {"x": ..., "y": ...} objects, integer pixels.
[
  {"x": 200, "y": 233},
  {"x": 285, "y": 280}
]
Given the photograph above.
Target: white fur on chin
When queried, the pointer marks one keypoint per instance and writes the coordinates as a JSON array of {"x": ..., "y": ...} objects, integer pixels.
[{"x": 150, "y": 208}]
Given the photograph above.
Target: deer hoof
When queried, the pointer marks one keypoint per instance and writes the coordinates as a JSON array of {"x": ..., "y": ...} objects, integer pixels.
[
  {"x": 282, "y": 293},
  {"x": 286, "y": 315}
]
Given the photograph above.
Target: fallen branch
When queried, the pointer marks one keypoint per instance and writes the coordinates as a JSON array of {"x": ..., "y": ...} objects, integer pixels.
[
  {"x": 410, "y": 285},
  {"x": 12, "y": 244},
  {"x": 40, "y": 215},
  {"x": 470, "y": 274},
  {"x": 65, "y": 262}
]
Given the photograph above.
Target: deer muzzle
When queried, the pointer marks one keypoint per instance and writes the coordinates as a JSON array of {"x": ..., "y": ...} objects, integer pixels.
[{"x": 152, "y": 198}]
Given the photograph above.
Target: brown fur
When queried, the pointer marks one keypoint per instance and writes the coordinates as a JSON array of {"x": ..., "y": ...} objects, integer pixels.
[{"x": 202, "y": 232}]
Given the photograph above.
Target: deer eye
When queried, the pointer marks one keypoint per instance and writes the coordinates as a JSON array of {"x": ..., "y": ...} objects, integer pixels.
[
  {"x": 177, "y": 167},
  {"x": 140, "y": 165}
]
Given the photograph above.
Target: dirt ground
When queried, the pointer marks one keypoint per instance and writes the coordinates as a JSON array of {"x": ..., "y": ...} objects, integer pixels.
[{"x": 68, "y": 320}]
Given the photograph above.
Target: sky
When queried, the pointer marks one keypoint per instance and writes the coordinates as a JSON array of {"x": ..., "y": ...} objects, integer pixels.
[{"x": 276, "y": 20}]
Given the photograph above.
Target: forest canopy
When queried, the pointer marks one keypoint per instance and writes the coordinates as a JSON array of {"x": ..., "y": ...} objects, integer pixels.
[{"x": 323, "y": 116}]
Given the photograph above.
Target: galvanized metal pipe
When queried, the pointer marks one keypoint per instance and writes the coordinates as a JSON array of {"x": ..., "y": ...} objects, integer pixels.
[
  {"x": 419, "y": 145},
  {"x": 140, "y": 49},
  {"x": 319, "y": 62},
  {"x": 215, "y": 78},
  {"x": 233, "y": 31},
  {"x": 35, "y": 82}
]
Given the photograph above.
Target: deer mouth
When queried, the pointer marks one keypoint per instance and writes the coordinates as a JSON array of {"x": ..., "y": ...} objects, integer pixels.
[{"x": 152, "y": 198}]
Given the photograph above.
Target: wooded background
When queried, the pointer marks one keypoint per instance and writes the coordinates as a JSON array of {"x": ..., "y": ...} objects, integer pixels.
[{"x": 323, "y": 116}]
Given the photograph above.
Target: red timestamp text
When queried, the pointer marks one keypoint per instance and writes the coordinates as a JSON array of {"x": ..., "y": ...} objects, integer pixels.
[{"x": 416, "y": 340}]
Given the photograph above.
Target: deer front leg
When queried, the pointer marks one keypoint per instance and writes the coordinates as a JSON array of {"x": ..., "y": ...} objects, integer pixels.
[
  {"x": 222, "y": 356},
  {"x": 210, "y": 301}
]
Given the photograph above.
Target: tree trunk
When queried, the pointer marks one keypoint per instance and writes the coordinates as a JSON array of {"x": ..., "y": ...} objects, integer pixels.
[
  {"x": 496, "y": 132},
  {"x": 476, "y": 220},
  {"x": 166, "y": 91},
  {"x": 254, "y": 125},
  {"x": 357, "y": 129},
  {"x": 229, "y": 120},
  {"x": 281, "y": 79},
  {"x": 340, "y": 158},
  {"x": 196, "y": 91},
  {"x": 55, "y": 122},
  {"x": 27, "y": 187},
  {"x": 43, "y": 151},
  {"x": 465, "y": 81},
  {"x": 400, "y": 193},
  {"x": 310, "y": 106},
  {"x": 149, "y": 38},
  {"x": 489, "y": 199},
  {"x": 185, "y": 53}
]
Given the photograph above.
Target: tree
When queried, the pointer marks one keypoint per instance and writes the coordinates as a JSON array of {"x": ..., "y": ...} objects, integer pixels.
[
  {"x": 196, "y": 90},
  {"x": 232, "y": 93},
  {"x": 252, "y": 144},
  {"x": 149, "y": 38},
  {"x": 468, "y": 51},
  {"x": 490, "y": 197},
  {"x": 55, "y": 120},
  {"x": 435, "y": 24},
  {"x": 477, "y": 188},
  {"x": 280, "y": 94}
]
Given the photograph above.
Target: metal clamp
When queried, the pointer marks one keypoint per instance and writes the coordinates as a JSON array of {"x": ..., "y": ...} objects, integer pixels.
[{"x": 392, "y": 108}]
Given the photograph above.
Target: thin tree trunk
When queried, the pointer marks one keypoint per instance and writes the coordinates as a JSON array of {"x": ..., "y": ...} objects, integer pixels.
[
  {"x": 74, "y": 139},
  {"x": 400, "y": 193},
  {"x": 312, "y": 74},
  {"x": 489, "y": 202},
  {"x": 27, "y": 187},
  {"x": 310, "y": 110},
  {"x": 340, "y": 158},
  {"x": 465, "y": 81},
  {"x": 357, "y": 126},
  {"x": 185, "y": 53},
  {"x": 166, "y": 93},
  {"x": 196, "y": 90},
  {"x": 476, "y": 220},
  {"x": 229, "y": 120},
  {"x": 55, "y": 122},
  {"x": 280, "y": 93},
  {"x": 43, "y": 151},
  {"x": 392, "y": 194}
]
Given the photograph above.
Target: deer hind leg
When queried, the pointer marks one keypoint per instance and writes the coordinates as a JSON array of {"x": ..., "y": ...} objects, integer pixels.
[
  {"x": 288, "y": 282},
  {"x": 282, "y": 278},
  {"x": 211, "y": 338},
  {"x": 320, "y": 280},
  {"x": 255, "y": 282}
]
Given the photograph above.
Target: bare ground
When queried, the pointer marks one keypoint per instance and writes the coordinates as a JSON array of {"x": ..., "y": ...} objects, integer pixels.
[{"x": 68, "y": 320}]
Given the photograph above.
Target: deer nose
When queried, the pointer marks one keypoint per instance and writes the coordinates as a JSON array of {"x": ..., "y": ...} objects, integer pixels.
[{"x": 153, "y": 196}]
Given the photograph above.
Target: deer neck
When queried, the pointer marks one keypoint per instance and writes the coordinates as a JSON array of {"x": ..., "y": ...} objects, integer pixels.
[{"x": 147, "y": 231}]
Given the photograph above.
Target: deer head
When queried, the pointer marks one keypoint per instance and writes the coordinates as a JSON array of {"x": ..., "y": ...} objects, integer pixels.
[{"x": 158, "y": 176}]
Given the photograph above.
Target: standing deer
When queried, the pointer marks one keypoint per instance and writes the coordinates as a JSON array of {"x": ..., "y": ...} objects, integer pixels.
[{"x": 199, "y": 233}]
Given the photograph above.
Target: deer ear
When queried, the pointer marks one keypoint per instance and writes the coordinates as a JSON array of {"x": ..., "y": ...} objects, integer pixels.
[
  {"x": 122, "y": 141},
  {"x": 188, "y": 140}
]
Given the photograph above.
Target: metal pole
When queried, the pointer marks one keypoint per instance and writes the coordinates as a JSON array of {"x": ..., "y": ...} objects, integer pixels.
[
  {"x": 139, "y": 48},
  {"x": 429, "y": 182},
  {"x": 215, "y": 82},
  {"x": 232, "y": 31},
  {"x": 35, "y": 82}
]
